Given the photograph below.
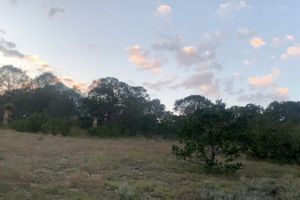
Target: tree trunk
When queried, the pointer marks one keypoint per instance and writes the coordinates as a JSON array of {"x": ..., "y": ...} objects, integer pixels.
[
  {"x": 6, "y": 117},
  {"x": 95, "y": 122}
]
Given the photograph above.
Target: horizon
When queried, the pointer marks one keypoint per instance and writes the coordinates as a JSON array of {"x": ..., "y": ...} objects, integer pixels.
[{"x": 239, "y": 51}]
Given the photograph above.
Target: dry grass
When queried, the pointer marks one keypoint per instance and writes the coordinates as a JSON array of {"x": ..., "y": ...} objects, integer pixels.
[{"x": 36, "y": 166}]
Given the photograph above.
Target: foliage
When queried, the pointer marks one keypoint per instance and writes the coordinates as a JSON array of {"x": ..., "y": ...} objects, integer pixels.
[
  {"x": 8, "y": 106},
  {"x": 276, "y": 134},
  {"x": 56, "y": 126},
  {"x": 41, "y": 123},
  {"x": 190, "y": 104},
  {"x": 211, "y": 136},
  {"x": 32, "y": 124}
]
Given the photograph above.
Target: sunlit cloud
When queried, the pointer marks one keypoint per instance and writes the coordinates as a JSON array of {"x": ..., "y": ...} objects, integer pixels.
[
  {"x": 291, "y": 52},
  {"x": 164, "y": 10},
  {"x": 283, "y": 91},
  {"x": 35, "y": 59},
  {"x": 141, "y": 59},
  {"x": 71, "y": 83},
  {"x": 257, "y": 42},
  {"x": 189, "y": 50},
  {"x": 264, "y": 81}
]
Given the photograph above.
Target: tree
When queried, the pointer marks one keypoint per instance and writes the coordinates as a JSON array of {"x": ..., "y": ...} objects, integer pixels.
[
  {"x": 12, "y": 78},
  {"x": 211, "y": 136},
  {"x": 129, "y": 108},
  {"x": 276, "y": 133},
  {"x": 190, "y": 104},
  {"x": 46, "y": 79}
]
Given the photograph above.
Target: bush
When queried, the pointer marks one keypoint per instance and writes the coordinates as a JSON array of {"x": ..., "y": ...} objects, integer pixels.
[
  {"x": 107, "y": 131},
  {"x": 32, "y": 124},
  {"x": 279, "y": 142},
  {"x": 56, "y": 126},
  {"x": 41, "y": 123}
]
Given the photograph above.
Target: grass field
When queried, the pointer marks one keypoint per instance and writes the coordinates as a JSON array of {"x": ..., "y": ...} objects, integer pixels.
[{"x": 34, "y": 166}]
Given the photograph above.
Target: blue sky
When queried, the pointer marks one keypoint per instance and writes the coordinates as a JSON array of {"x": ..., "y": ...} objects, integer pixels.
[{"x": 239, "y": 50}]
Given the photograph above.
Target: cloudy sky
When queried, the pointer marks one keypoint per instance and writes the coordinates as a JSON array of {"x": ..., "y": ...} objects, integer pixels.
[{"x": 239, "y": 50}]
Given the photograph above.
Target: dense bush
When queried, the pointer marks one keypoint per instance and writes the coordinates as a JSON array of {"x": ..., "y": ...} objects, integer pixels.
[
  {"x": 275, "y": 135},
  {"x": 279, "y": 142},
  {"x": 109, "y": 131},
  {"x": 33, "y": 123},
  {"x": 41, "y": 123},
  {"x": 57, "y": 126}
]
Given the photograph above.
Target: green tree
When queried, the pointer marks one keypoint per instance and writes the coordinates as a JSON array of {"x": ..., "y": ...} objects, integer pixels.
[
  {"x": 211, "y": 136},
  {"x": 190, "y": 104}
]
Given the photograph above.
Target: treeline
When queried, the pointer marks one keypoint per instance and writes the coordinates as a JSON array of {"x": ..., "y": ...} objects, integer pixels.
[
  {"x": 209, "y": 131},
  {"x": 110, "y": 107}
]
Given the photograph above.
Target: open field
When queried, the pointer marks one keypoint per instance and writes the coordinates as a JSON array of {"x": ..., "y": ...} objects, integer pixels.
[{"x": 34, "y": 166}]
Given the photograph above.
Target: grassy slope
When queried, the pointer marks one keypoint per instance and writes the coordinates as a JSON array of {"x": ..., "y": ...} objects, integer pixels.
[{"x": 52, "y": 167}]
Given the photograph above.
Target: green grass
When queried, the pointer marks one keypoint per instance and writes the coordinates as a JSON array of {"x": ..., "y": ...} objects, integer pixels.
[{"x": 34, "y": 166}]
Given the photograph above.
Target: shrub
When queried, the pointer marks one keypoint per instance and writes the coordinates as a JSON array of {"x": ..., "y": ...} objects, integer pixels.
[
  {"x": 41, "y": 123},
  {"x": 32, "y": 124},
  {"x": 279, "y": 142},
  {"x": 107, "y": 131},
  {"x": 56, "y": 126},
  {"x": 211, "y": 137}
]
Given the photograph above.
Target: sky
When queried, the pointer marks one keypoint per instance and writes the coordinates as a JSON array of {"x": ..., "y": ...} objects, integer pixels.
[{"x": 240, "y": 51}]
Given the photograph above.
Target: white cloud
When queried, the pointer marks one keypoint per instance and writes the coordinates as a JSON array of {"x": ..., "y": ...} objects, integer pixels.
[
  {"x": 279, "y": 41},
  {"x": 159, "y": 85},
  {"x": 291, "y": 52},
  {"x": 290, "y": 37},
  {"x": 204, "y": 81},
  {"x": 141, "y": 59},
  {"x": 164, "y": 10},
  {"x": 244, "y": 33},
  {"x": 226, "y": 10},
  {"x": 257, "y": 42},
  {"x": 281, "y": 94},
  {"x": 192, "y": 55}
]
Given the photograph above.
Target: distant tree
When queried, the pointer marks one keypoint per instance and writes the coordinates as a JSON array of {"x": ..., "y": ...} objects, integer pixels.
[
  {"x": 45, "y": 79},
  {"x": 12, "y": 78},
  {"x": 190, "y": 104},
  {"x": 154, "y": 113},
  {"x": 211, "y": 136},
  {"x": 127, "y": 107}
]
